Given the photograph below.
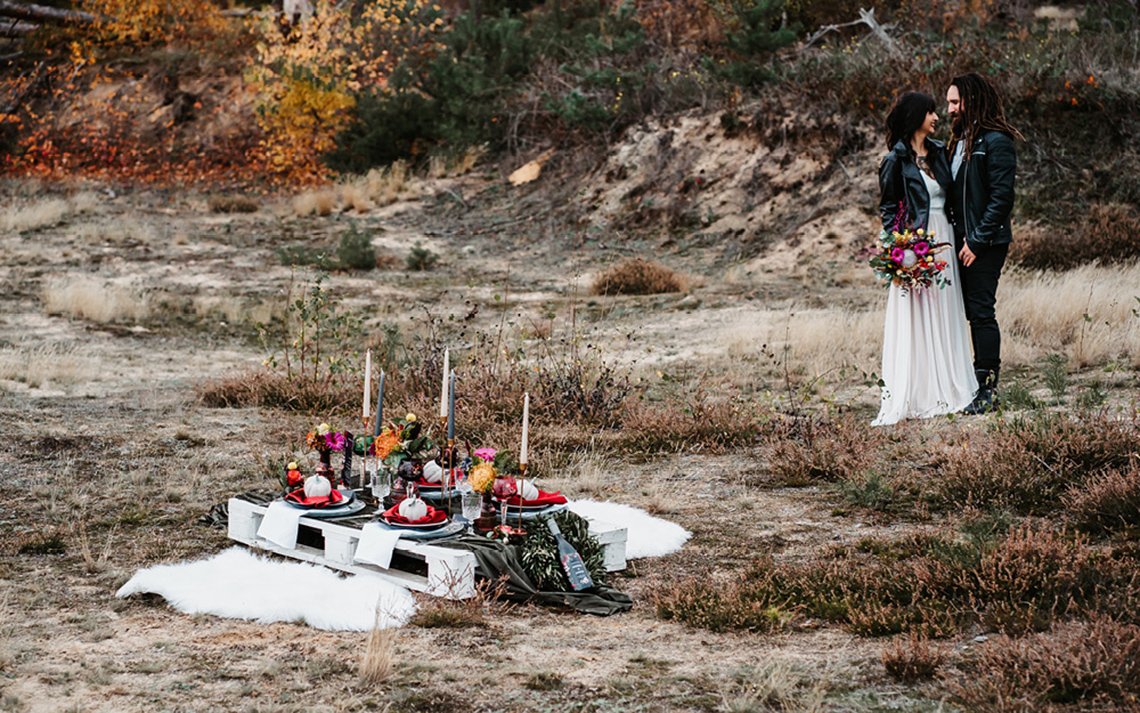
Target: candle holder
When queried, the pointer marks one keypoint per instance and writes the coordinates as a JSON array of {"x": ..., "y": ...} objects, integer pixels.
[
  {"x": 364, "y": 460},
  {"x": 449, "y": 473},
  {"x": 522, "y": 487}
]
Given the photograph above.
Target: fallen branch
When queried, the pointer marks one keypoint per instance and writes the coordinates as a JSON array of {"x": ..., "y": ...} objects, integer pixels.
[
  {"x": 28, "y": 11},
  {"x": 17, "y": 28},
  {"x": 866, "y": 17}
]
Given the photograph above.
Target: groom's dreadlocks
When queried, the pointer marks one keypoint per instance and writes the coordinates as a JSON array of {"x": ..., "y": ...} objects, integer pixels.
[{"x": 980, "y": 110}]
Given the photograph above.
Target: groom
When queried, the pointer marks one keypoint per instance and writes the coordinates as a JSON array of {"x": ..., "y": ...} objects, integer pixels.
[{"x": 983, "y": 163}]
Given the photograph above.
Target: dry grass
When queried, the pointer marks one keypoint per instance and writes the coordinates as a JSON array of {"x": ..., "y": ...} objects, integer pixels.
[
  {"x": 47, "y": 212},
  {"x": 236, "y": 310},
  {"x": 321, "y": 201},
  {"x": 379, "y": 660},
  {"x": 233, "y": 204},
  {"x": 94, "y": 299},
  {"x": 638, "y": 276},
  {"x": 121, "y": 231},
  {"x": 42, "y": 214},
  {"x": 1045, "y": 312},
  {"x": 49, "y": 364}
]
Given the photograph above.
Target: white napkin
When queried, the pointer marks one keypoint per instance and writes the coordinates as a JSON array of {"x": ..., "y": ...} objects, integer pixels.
[
  {"x": 279, "y": 525},
  {"x": 433, "y": 473},
  {"x": 376, "y": 545}
]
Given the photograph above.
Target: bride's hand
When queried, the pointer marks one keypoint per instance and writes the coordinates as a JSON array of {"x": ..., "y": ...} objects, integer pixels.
[{"x": 967, "y": 256}]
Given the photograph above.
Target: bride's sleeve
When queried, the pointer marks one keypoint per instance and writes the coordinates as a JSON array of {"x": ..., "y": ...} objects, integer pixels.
[{"x": 890, "y": 190}]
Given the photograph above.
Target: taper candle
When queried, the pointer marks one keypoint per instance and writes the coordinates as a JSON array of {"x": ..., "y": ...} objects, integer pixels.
[
  {"x": 443, "y": 387},
  {"x": 526, "y": 427},
  {"x": 367, "y": 384},
  {"x": 451, "y": 407},
  {"x": 379, "y": 407}
]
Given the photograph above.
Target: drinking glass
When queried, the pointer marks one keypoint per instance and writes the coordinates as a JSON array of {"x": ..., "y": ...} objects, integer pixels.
[
  {"x": 381, "y": 481},
  {"x": 472, "y": 503}
]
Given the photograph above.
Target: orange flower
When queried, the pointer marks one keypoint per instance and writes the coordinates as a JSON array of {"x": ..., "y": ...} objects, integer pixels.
[{"x": 386, "y": 443}]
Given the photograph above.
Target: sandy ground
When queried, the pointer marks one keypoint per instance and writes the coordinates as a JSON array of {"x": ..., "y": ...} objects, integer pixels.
[{"x": 108, "y": 461}]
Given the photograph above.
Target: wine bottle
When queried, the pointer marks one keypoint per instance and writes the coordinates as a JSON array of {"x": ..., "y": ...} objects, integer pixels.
[{"x": 571, "y": 560}]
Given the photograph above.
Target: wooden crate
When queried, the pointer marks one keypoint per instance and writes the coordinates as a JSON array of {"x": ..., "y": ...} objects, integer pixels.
[{"x": 441, "y": 571}]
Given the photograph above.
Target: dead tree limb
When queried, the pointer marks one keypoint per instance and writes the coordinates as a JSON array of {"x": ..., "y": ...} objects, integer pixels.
[
  {"x": 16, "y": 28},
  {"x": 866, "y": 17},
  {"x": 28, "y": 11}
]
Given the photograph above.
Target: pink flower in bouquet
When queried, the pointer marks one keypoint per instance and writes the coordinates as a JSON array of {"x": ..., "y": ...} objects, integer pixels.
[
  {"x": 487, "y": 455},
  {"x": 921, "y": 249},
  {"x": 897, "y": 255},
  {"x": 334, "y": 441}
]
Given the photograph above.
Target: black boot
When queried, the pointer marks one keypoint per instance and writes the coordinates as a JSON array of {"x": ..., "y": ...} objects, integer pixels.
[{"x": 986, "y": 399}]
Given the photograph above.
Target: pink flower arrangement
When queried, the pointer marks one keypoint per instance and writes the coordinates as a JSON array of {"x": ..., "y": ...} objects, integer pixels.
[
  {"x": 909, "y": 258},
  {"x": 487, "y": 455}
]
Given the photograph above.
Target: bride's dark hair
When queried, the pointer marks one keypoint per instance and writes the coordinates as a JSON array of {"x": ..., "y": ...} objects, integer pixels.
[{"x": 907, "y": 116}]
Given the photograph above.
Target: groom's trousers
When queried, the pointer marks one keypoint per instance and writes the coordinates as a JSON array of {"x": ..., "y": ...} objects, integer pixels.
[{"x": 979, "y": 290}]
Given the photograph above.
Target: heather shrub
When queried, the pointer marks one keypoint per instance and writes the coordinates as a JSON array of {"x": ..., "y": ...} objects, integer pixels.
[
  {"x": 638, "y": 276},
  {"x": 1107, "y": 503},
  {"x": 1027, "y": 463},
  {"x": 911, "y": 658},
  {"x": 1106, "y": 235},
  {"x": 695, "y": 422},
  {"x": 808, "y": 449},
  {"x": 925, "y": 584},
  {"x": 1092, "y": 665}
]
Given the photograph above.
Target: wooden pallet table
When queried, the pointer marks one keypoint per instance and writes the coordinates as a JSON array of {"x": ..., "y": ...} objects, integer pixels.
[{"x": 422, "y": 566}]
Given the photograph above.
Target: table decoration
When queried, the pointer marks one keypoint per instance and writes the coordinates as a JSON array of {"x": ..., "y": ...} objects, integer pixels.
[
  {"x": 403, "y": 447},
  {"x": 540, "y": 557},
  {"x": 324, "y": 440}
]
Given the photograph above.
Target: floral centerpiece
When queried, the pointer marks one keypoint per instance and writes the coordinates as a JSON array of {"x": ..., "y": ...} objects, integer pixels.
[
  {"x": 402, "y": 440},
  {"x": 908, "y": 257}
]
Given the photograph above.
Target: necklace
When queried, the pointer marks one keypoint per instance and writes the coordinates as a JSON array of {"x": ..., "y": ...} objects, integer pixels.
[{"x": 923, "y": 166}]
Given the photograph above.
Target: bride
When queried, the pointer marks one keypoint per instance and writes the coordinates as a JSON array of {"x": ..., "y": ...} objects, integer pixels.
[{"x": 927, "y": 367}]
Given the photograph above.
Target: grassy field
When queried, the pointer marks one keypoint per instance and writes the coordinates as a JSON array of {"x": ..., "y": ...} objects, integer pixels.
[{"x": 952, "y": 564}]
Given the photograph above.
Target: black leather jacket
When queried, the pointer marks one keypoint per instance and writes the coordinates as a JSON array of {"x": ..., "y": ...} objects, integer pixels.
[
  {"x": 900, "y": 178},
  {"x": 983, "y": 192}
]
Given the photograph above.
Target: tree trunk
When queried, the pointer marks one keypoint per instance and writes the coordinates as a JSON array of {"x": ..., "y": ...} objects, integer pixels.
[
  {"x": 15, "y": 28},
  {"x": 28, "y": 11}
]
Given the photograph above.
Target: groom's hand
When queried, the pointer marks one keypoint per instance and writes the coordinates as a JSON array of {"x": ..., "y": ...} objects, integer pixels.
[{"x": 967, "y": 256}]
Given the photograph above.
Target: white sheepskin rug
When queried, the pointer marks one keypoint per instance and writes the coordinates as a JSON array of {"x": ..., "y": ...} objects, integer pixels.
[
  {"x": 236, "y": 584},
  {"x": 647, "y": 536}
]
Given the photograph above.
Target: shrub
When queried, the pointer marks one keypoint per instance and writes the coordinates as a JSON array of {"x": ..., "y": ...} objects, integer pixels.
[
  {"x": 1091, "y": 665},
  {"x": 233, "y": 204},
  {"x": 420, "y": 259},
  {"x": 869, "y": 490},
  {"x": 695, "y": 423},
  {"x": 1108, "y": 503},
  {"x": 910, "y": 658},
  {"x": 355, "y": 250},
  {"x": 1026, "y": 464},
  {"x": 638, "y": 276},
  {"x": 1106, "y": 235},
  {"x": 807, "y": 450}
]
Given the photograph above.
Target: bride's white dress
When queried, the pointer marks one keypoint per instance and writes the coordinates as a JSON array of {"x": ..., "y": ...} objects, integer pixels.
[{"x": 927, "y": 365}]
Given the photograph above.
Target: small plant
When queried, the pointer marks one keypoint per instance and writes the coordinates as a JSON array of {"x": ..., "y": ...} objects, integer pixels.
[
  {"x": 303, "y": 256},
  {"x": 420, "y": 259},
  {"x": 1092, "y": 396},
  {"x": 233, "y": 204},
  {"x": 1016, "y": 396},
  {"x": 910, "y": 659},
  {"x": 355, "y": 250},
  {"x": 638, "y": 276},
  {"x": 1055, "y": 374},
  {"x": 867, "y": 490}
]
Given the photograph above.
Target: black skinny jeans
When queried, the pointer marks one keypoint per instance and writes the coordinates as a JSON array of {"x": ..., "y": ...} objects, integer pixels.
[{"x": 979, "y": 288}]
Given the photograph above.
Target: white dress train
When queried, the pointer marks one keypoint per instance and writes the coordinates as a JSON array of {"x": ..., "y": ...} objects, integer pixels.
[{"x": 927, "y": 365}]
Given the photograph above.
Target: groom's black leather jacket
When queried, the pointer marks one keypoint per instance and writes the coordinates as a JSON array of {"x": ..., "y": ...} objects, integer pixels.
[
  {"x": 983, "y": 192},
  {"x": 900, "y": 179}
]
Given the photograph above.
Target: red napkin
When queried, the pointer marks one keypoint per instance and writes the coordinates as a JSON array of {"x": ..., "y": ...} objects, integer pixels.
[
  {"x": 544, "y": 498},
  {"x": 434, "y": 516},
  {"x": 421, "y": 483},
  {"x": 298, "y": 497}
]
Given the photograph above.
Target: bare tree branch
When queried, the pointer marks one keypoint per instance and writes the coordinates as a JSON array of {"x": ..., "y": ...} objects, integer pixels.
[
  {"x": 28, "y": 11},
  {"x": 866, "y": 17}
]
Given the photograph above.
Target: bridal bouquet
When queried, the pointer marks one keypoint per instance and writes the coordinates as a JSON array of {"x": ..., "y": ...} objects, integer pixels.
[{"x": 909, "y": 258}]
